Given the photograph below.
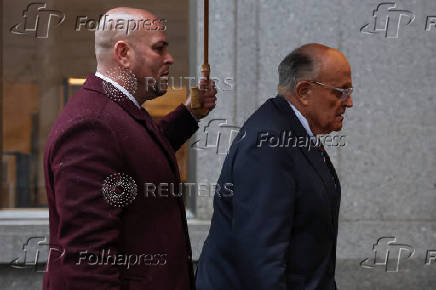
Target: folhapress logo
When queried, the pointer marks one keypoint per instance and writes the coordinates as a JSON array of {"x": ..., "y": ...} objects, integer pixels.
[
  {"x": 388, "y": 254},
  {"x": 218, "y": 135},
  {"x": 36, "y": 254},
  {"x": 37, "y": 21},
  {"x": 388, "y": 20}
]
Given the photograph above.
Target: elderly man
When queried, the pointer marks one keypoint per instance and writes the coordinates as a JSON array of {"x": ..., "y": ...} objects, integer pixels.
[
  {"x": 278, "y": 229},
  {"x": 105, "y": 233}
]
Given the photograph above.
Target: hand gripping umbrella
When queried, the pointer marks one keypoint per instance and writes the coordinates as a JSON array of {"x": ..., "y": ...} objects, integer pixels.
[{"x": 196, "y": 105}]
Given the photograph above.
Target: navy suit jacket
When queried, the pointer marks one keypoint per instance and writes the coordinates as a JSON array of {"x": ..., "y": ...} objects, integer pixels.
[
  {"x": 93, "y": 138},
  {"x": 277, "y": 226}
]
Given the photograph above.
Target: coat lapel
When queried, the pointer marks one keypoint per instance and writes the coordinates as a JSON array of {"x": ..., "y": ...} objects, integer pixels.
[
  {"x": 139, "y": 114},
  {"x": 311, "y": 153}
]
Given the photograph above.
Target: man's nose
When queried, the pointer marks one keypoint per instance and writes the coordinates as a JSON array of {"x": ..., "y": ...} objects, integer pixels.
[
  {"x": 169, "y": 59},
  {"x": 349, "y": 102}
]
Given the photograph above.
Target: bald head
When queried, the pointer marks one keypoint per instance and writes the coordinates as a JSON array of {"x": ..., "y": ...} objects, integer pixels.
[
  {"x": 123, "y": 24},
  {"x": 133, "y": 42},
  {"x": 304, "y": 63},
  {"x": 316, "y": 79}
]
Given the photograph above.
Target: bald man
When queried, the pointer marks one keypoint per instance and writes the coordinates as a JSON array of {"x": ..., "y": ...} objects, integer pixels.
[
  {"x": 108, "y": 230},
  {"x": 278, "y": 229}
]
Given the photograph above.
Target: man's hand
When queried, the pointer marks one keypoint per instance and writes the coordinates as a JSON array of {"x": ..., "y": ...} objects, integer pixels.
[{"x": 207, "y": 98}]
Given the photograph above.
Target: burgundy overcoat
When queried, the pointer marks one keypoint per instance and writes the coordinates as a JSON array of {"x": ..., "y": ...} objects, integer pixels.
[{"x": 98, "y": 142}]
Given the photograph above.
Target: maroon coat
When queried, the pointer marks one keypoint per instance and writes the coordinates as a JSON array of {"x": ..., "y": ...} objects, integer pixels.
[{"x": 91, "y": 240}]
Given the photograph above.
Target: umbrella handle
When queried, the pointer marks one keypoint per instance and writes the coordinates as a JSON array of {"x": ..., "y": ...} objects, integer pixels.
[{"x": 196, "y": 105}]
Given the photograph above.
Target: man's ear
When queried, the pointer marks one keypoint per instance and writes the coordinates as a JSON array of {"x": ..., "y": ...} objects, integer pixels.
[
  {"x": 123, "y": 54},
  {"x": 303, "y": 92}
]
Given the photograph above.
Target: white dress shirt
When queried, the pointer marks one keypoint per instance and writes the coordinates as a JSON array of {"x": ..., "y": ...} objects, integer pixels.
[
  {"x": 118, "y": 86},
  {"x": 303, "y": 120}
]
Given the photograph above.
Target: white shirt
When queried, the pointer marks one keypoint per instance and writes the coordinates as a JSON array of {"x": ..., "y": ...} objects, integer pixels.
[
  {"x": 302, "y": 119},
  {"x": 118, "y": 86}
]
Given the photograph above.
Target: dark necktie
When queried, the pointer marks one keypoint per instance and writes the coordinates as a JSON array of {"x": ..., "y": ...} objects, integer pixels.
[
  {"x": 337, "y": 193},
  {"x": 329, "y": 164}
]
